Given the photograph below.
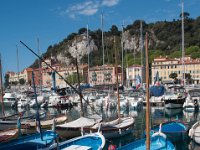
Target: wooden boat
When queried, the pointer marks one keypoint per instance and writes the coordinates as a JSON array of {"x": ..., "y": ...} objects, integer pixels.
[
  {"x": 119, "y": 127},
  {"x": 158, "y": 141},
  {"x": 113, "y": 129},
  {"x": 34, "y": 141},
  {"x": 175, "y": 130},
  {"x": 94, "y": 141},
  {"x": 11, "y": 122},
  {"x": 29, "y": 127},
  {"x": 8, "y": 135},
  {"x": 194, "y": 132},
  {"x": 74, "y": 128}
]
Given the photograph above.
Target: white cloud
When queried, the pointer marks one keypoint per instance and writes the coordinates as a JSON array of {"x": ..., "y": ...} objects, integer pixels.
[
  {"x": 88, "y": 8},
  {"x": 110, "y": 3},
  {"x": 168, "y": 0}
]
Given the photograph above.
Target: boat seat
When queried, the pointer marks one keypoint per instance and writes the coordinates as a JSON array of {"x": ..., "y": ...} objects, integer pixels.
[{"x": 77, "y": 147}]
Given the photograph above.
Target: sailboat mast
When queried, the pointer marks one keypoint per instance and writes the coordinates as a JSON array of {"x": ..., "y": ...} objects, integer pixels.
[
  {"x": 37, "y": 106},
  {"x": 17, "y": 66},
  {"x": 1, "y": 80},
  {"x": 147, "y": 97},
  {"x": 183, "y": 49},
  {"x": 116, "y": 67},
  {"x": 141, "y": 49},
  {"x": 122, "y": 45},
  {"x": 39, "y": 66},
  {"x": 88, "y": 44},
  {"x": 102, "y": 37},
  {"x": 79, "y": 86}
]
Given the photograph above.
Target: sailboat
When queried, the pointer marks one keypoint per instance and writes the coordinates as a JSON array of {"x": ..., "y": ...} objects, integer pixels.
[
  {"x": 158, "y": 140},
  {"x": 118, "y": 127},
  {"x": 157, "y": 91},
  {"x": 6, "y": 135},
  {"x": 35, "y": 141}
]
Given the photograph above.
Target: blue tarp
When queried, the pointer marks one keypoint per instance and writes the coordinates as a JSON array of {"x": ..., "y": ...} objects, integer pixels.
[
  {"x": 85, "y": 86},
  {"x": 157, "y": 90}
]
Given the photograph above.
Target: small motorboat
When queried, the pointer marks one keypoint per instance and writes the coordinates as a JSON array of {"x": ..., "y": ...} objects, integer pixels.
[
  {"x": 31, "y": 142},
  {"x": 158, "y": 142},
  {"x": 93, "y": 141}
]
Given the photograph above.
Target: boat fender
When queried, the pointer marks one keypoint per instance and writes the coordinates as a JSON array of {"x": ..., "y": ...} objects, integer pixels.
[
  {"x": 82, "y": 131},
  {"x": 112, "y": 146},
  {"x": 99, "y": 129},
  {"x": 191, "y": 132},
  {"x": 120, "y": 131}
]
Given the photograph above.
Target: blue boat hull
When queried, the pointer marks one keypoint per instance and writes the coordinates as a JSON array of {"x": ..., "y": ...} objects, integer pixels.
[
  {"x": 175, "y": 130},
  {"x": 94, "y": 141},
  {"x": 157, "y": 143},
  {"x": 31, "y": 142}
]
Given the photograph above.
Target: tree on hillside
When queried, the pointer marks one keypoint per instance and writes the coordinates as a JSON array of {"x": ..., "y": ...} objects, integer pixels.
[
  {"x": 114, "y": 30},
  {"x": 72, "y": 78},
  {"x": 22, "y": 81},
  {"x": 174, "y": 75},
  {"x": 188, "y": 78},
  {"x": 185, "y": 14},
  {"x": 82, "y": 30}
]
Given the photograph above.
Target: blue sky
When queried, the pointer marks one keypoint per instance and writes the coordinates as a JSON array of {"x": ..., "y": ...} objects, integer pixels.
[{"x": 53, "y": 20}]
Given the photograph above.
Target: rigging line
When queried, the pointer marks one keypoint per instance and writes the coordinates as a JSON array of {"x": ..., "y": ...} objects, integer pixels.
[
  {"x": 51, "y": 68},
  {"x": 80, "y": 94}
]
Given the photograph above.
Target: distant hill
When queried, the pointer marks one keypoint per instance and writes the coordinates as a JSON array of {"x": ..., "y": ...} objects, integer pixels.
[{"x": 164, "y": 39}]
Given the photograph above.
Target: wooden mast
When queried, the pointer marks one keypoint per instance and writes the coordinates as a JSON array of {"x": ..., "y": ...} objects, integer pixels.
[
  {"x": 2, "y": 103},
  {"x": 147, "y": 97}
]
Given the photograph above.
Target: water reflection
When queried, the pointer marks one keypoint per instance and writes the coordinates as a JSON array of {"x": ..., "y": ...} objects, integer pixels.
[{"x": 158, "y": 115}]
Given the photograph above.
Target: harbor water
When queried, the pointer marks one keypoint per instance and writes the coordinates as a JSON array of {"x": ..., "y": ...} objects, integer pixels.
[{"x": 158, "y": 115}]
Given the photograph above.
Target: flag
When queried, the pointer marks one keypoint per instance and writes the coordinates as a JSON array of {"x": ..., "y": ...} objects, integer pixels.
[
  {"x": 138, "y": 82},
  {"x": 156, "y": 81}
]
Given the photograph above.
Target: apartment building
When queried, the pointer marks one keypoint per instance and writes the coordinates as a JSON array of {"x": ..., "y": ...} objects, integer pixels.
[
  {"x": 26, "y": 74},
  {"x": 105, "y": 74},
  {"x": 64, "y": 71},
  {"x": 132, "y": 72},
  {"x": 165, "y": 66}
]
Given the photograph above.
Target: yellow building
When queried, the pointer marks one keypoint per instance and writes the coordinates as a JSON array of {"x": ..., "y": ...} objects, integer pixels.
[
  {"x": 165, "y": 66},
  {"x": 26, "y": 74},
  {"x": 132, "y": 72},
  {"x": 105, "y": 74}
]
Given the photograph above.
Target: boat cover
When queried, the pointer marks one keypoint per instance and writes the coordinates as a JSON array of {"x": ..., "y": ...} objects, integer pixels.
[
  {"x": 82, "y": 122},
  {"x": 157, "y": 90}
]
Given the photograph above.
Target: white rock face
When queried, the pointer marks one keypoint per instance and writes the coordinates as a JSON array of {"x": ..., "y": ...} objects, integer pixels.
[{"x": 78, "y": 49}]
